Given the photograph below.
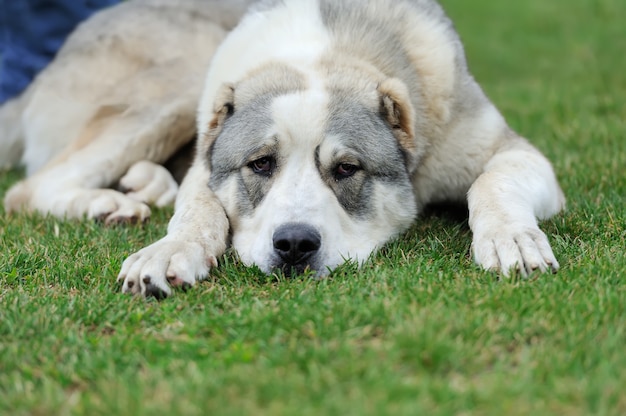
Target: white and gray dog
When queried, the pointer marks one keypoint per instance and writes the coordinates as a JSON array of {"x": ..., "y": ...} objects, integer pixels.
[{"x": 324, "y": 127}]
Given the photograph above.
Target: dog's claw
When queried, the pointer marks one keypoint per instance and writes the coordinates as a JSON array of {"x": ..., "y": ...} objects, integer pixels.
[{"x": 155, "y": 292}]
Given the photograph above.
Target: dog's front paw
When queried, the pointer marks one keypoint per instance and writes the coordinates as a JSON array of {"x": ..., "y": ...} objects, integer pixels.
[
  {"x": 149, "y": 183},
  {"x": 154, "y": 270},
  {"x": 524, "y": 249}
]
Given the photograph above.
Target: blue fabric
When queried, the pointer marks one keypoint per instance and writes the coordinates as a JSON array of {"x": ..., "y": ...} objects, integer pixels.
[{"x": 31, "y": 32}]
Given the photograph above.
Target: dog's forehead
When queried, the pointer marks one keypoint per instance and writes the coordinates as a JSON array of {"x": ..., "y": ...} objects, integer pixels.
[
  {"x": 325, "y": 114},
  {"x": 300, "y": 118}
]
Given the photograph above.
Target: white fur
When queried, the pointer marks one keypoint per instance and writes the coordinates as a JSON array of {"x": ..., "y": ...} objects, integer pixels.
[{"x": 50, "y": 122}]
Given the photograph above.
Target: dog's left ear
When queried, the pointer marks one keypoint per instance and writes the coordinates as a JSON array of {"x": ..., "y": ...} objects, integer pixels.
[
  {"x": 396, "y": 108},
  {"x": 223, "y": 108}
]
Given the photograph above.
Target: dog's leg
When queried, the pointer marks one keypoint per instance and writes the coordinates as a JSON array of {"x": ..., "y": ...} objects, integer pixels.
[
  {"x": 70, "y": 186},
  {"x": 517, "y": 187},
  {"x": 196, "y": 236}
]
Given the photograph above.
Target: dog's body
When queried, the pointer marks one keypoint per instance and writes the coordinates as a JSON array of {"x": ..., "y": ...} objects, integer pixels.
[{"x": 324, "y": 128}]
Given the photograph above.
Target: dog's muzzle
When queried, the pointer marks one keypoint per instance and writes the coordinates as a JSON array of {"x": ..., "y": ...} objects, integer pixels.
[{"x": 296, "y": 245}]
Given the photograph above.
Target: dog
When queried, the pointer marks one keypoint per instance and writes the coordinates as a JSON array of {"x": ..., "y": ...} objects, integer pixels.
[{"x": 323, "y": 129}]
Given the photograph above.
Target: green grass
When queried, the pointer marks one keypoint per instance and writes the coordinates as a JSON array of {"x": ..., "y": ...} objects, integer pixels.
[{"x": 418, "y": 330}]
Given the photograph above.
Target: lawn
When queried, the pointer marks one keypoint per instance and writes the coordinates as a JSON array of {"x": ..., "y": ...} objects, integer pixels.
[{"x": 419, "y": 330}]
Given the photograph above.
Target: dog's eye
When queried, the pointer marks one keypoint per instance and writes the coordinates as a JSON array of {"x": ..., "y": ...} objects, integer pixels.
[
  {"x": 263, "y": 166},
  {"x": 345, "y": 170}
]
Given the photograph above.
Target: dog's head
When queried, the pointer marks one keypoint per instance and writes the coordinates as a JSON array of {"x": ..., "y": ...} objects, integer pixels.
[{"x": 311, "y": 173}]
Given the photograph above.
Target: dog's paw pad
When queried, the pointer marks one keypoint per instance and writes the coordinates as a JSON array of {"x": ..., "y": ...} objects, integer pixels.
[{"x": 175, "y": 281}]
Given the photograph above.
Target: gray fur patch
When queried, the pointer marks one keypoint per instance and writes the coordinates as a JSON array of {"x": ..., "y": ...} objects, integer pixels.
[
  {"x": 371, "y": 144},
  {"x": 244, "y": 138}
]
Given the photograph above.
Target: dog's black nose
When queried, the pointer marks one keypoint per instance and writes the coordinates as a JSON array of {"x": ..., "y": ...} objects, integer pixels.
[{"x": 295, "y": 243}]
